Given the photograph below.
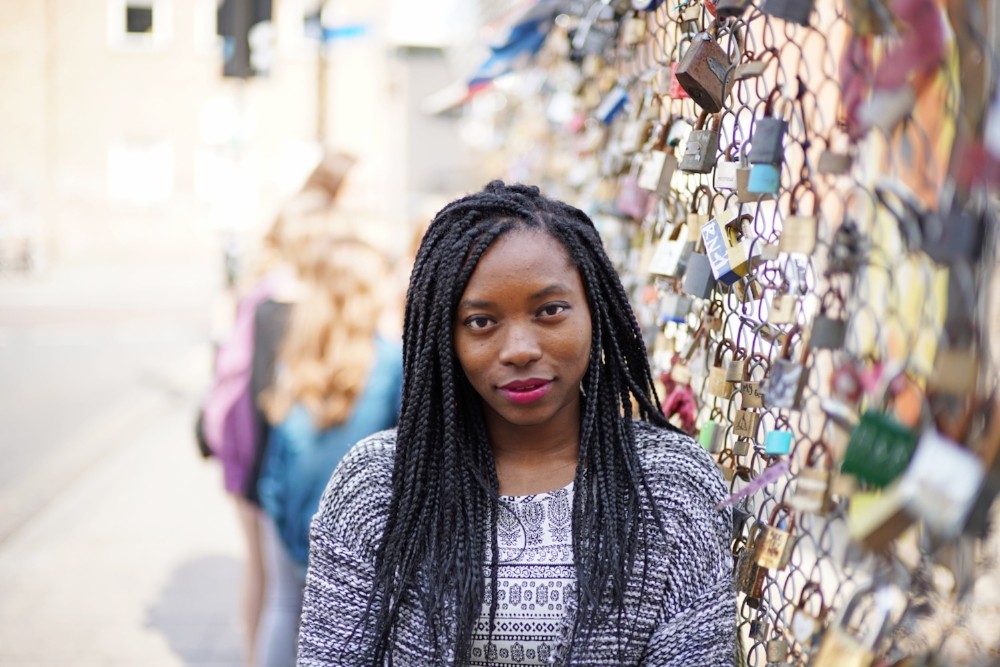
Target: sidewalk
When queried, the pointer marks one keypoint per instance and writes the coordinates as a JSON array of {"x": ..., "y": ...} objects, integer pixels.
[{"x": 136, "y": 563}]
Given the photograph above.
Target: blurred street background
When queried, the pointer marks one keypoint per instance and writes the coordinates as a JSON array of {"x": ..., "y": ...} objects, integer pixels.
[{"x": 144, "y": 147}]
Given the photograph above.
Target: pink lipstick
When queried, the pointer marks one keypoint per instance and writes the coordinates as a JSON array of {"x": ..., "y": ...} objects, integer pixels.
[{"x": 525, "y": 391}]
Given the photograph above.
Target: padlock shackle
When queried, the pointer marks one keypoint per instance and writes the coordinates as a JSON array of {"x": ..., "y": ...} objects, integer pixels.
[
  {"x": 772, "y": 517},
  {"x": 793, "y": 206},
  {"x": 811, "y": 589},
  {"x": 696, "y": 197},
  {"x": 824, "y": 450}
]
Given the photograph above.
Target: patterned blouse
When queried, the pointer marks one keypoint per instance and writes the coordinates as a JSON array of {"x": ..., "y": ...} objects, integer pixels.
[{"x": 535, "y": 576}]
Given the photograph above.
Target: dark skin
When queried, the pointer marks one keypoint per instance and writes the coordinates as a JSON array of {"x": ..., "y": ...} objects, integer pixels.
[{"x": 522, "y": 336}]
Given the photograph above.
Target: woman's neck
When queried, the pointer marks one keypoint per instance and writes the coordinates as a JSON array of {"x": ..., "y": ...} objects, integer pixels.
[{"x": 530, "y": 461}]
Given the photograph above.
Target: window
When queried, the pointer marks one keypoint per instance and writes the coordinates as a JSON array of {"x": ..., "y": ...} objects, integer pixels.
[{"x": 139, "y": 25}]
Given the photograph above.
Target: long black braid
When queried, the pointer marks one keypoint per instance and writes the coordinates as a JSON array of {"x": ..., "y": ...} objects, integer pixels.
[{"x": 444, "y": 483}]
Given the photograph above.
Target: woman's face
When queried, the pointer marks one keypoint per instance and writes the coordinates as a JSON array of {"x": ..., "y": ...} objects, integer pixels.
[{"x": 522, "y": 332}]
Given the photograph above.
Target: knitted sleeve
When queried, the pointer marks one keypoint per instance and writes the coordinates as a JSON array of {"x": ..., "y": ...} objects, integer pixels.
[
  {"x": 341, "y": 572},
  {"x": 697, "y": 626}
]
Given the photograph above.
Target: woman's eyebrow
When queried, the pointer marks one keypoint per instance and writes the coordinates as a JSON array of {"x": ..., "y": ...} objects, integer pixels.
[{"x": 555, "y": 288}]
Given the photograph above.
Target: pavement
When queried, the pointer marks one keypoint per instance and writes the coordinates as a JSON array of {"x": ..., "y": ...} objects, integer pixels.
[{"x": 134, "y": 558}]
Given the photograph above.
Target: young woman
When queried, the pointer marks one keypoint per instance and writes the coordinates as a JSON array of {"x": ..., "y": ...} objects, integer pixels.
[
  {"x": 337, "y": 380},
  {"x": 533, "y": 505}
]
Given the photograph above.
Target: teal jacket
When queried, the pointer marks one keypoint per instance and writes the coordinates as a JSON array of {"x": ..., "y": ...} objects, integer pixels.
[{"x": 299, "y": 459}]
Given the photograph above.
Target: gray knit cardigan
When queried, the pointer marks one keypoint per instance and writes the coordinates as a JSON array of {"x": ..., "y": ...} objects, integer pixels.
[{"x": 685, "y": 618}]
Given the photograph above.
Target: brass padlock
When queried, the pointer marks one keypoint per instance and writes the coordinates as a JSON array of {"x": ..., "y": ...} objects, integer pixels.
[
  {"x": 840, "y": 648},
  {"x": 703, "y": 71},
  {"x": 807, "y": 625},
  {"x": 702, "y": 146},
  {"x": 734, "y": 369},
  {"x": 695, "y": 217},
  {"x": 799, "y": 232},
  {"x": 658, "y": 163},
  {"x": 776, "y": 650},
  {"x": 750, "y": 577},
  {"x": 751, "y": 390},
  {"x": 812, "y": 484},
  {"x": 745, "y": 424},
  {"x": 742, "y": 446},
  {"x": 775, "y": 545},
  {"x": 717, "y": 384},
  {"x": 783, "y": 309}
]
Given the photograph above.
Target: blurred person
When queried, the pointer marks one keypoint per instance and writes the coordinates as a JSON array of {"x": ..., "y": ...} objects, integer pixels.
[
  {"x": 533, "y": 506},
  {"x": 337, "y": 380},
  {"x": 229, "y": 423}
]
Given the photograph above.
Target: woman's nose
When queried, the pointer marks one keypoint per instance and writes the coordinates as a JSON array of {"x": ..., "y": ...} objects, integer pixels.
[{"x": 520, "y": 346}]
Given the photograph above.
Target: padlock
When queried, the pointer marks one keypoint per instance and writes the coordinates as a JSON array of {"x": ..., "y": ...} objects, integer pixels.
[
  {"x": 727, "y": 254},
  {"x": 775, "y": 545},
  {"x": 634, "y": 29},
  {"x": 717, "y": 385},
  {"x": 674, "y": 307},
  {"x": 879, "y": 449},
  {"x": 727, "y": 9},
  {"x": 734, "y": 368},
  {"x": 725, "y": 169},
  {"x": 591, "y": 39},
  {"x": 702, "y": 146},
  {"x": 778, "y": 442},
  {"x": 812, "y": 483},
  {"x": 776, "y": 650},
  {"x": 767, "y": 140},
  {"x": 727, "y": 465},
  {"x": 764, "y": 179},
  {"x": 941, "y": 482},
  {"x": 672, "y": 253},
  {"x": 712, "y": 436},
  {"x": 758, "y": 628},
  {"x": 796, "y": 11},
  {"x": 751, "y": 391},
  {"x": 632, "y": 200},
  {"x": 695, "y": 217},
  {"x": 745, "y": 424},
  {"x": 713, "y": 316},
  {"x": 646, "y": 5},
  {"x": 798, "y": 232},
  {"x": 953, "y": 235},
  {"x": 703, "y": 70},
  {"x": 783, "y": 309},
  {"x": 742, "y": 446},
  {"x": 750, "y": 577},
  {"x": 698, "y": 279},
  {"x": 828, "y": 332},
  {"x": 786, "y": 378},
  {"x": 840, "y": 648},
  {"x": 848, "y": 249},
  {"x": 834, "y": 163},
  {"x": 612, "y": 104},
  {"x": 743, "y": 171},
  {"x": 690, "y": 16},
  {"x": 807, "y": 625},
  {"x": 658, "y": 163}
]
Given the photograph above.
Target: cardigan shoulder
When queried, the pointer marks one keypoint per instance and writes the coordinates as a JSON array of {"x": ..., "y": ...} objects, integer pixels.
[{"x": 355, "y": 503}]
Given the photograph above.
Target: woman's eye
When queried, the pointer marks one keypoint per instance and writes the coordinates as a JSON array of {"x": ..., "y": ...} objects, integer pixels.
[
  {"x": 477, "y": 322},
  {"x": 552, "y": 309}
]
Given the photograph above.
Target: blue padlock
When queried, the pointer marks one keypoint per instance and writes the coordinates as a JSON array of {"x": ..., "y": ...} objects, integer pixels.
[
  {"x": 778, "y": 443},
  {"x": 764, "y": 179}
]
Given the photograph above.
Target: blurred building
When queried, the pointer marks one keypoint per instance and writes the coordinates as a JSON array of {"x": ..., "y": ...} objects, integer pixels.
[{"x": 118, "y": 131}]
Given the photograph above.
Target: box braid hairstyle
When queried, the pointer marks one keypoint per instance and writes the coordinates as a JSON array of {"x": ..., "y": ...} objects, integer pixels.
[{"x": 444, "y": 482}]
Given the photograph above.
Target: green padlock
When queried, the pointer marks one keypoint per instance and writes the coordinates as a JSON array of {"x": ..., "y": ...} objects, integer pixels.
[{"x": 879, "y": 450}]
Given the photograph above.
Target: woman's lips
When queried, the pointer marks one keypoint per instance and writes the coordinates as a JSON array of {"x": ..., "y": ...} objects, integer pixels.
[{"x": 525, "y": 391}]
